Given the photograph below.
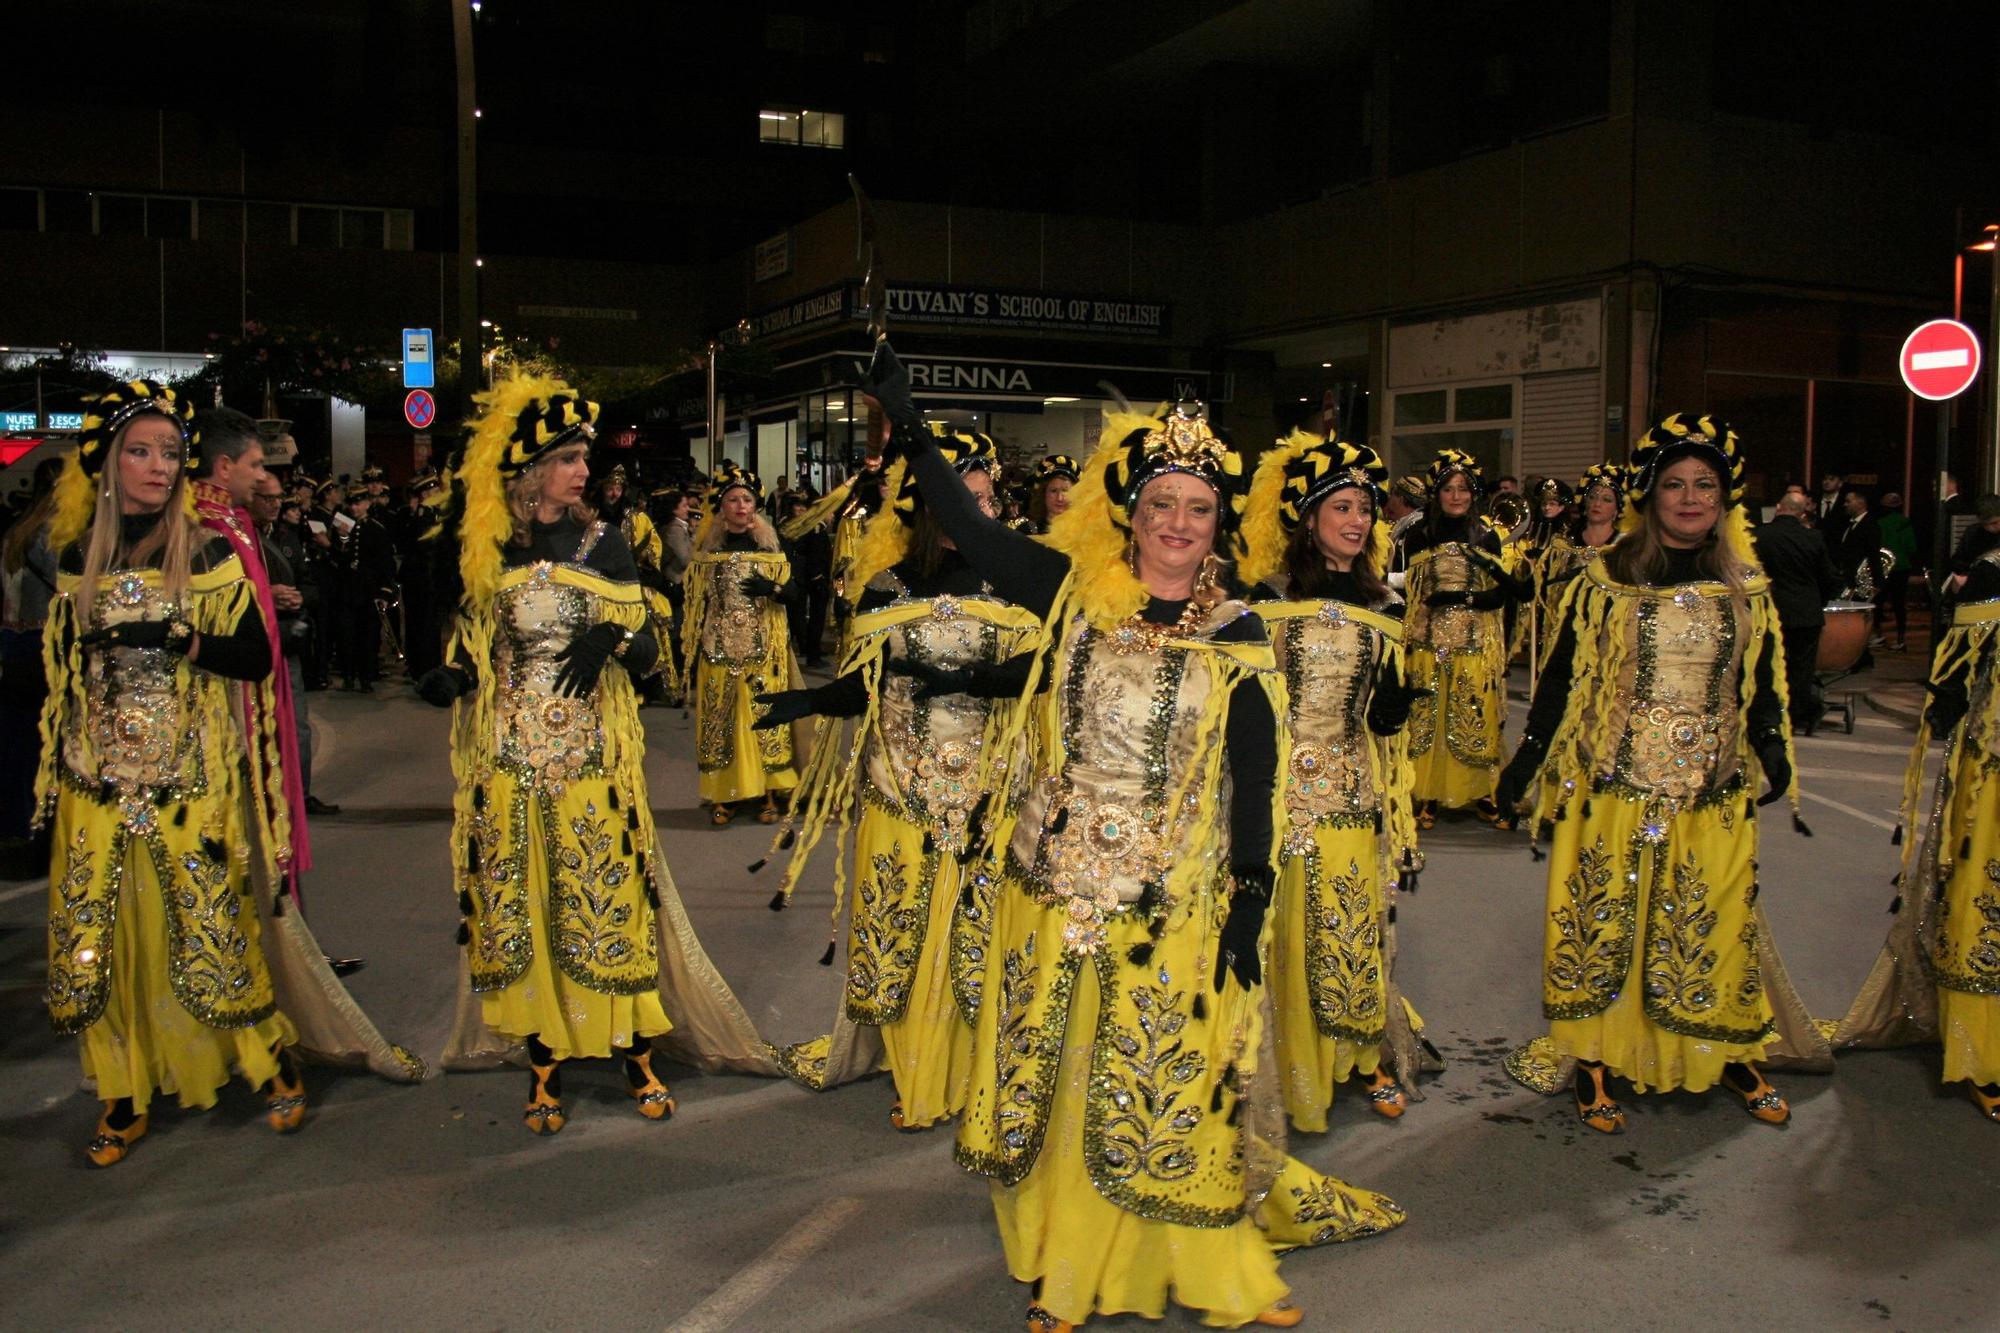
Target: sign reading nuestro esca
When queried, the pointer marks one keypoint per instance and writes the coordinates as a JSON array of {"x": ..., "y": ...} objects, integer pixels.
[{"x": 972, "y": 307}]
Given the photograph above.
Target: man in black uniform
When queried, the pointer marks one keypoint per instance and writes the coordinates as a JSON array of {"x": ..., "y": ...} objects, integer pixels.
[
  {"x": 1802, "y": 579},
  {"x": 367, "y": 575}
]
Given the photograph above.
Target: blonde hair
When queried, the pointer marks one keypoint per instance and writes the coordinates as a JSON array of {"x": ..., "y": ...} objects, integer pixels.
[
  {"x": 1640, "y": 557},
  {"x": 714, "y": 530},
  {"x": 524, "y": 496},
  {"x": 173, "y": 540}
]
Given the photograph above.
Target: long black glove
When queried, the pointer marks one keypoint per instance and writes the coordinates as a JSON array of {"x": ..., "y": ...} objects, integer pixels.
[
  {"x": 1512, "y": 587},
  {"x": 1777, "y": 768},
  {"x": 173, "y": 636},
  {"x": 889, "y": 384},
  {"x": 1236, "y": 953},
  {"x": 1389, "y": 706},
  {"x": 1519, "y": 775},
  {"x": 1948, "y": 706},
  {"x": 1455, "y": 597},
  {"x": 583, "y": 661},
  {"x": 977, "y": 680},
  {"x": 782, "y": 708},
  {"x": 757, "y": 585},
  {"x": 443, "y": 685}
]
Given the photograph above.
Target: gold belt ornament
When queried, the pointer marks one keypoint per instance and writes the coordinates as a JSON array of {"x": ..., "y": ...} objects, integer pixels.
[{"x": 1100, "y": 841}]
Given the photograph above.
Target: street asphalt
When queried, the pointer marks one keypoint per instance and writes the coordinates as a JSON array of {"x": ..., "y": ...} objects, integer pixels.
[{"x": 763, "y": 1206}]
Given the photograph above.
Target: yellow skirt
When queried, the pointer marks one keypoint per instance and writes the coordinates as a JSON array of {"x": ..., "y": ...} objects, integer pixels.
[
  {"x": 145, "y": 1042},
  {"x": 1093, "y": 1257},
  {"x": 1965, "y": 952},
  {"x": 1461, "y": 763},
  {"x": 737, "y": 763},
  {"x": 543, "y": 1002},
  {"x": 1693, "y": 937},
  {"x": 930, "y": 1046},
  {"x": 1969, "y": 1027},
  {"x": 1327, "y": 945}
]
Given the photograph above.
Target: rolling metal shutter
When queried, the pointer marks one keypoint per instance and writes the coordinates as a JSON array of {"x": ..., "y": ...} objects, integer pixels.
[{"x": 1562, "y": 424}]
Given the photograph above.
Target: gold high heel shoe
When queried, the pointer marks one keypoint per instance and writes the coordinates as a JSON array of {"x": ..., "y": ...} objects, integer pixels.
[
  {"x": 1282, "y": 1315},
  {"x": 1761, "y": 1100},
  {"x": 112, "y": 1146},
  {"x": 1987, "y": 1099},
  {"x": 1601, "y": 1113},
  {"x": 1041, "y": 1321},
  {"x": 544, "y": 1113},
  {"x": 656, "y": 1099},
  {"x": 1385, "y": 1095},
  {"x": 285, "y": 1095}
]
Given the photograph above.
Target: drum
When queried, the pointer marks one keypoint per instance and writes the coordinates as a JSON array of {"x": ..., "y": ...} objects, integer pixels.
[{"x": 1845, "y": 638}]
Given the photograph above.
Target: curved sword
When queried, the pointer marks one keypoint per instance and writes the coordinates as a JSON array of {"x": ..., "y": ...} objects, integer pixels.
[{"x": 868, "y": 257}]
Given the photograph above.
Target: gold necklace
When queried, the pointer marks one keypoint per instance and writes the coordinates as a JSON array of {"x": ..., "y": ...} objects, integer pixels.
[{"x": 1136, "y": 634}]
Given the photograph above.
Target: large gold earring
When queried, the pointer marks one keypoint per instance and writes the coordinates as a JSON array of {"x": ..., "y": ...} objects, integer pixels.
[{"x": 1208, "y": 582}]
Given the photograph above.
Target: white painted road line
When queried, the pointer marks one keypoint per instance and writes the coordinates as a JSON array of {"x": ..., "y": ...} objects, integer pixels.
[
  {"x": 728, "y": 1303},
  {"x": 1887, "y": 826},
  {"x": 23, "y": 890},
  {"x": 1849, "y": 775},
  {"x": 1805, "y": 743}
]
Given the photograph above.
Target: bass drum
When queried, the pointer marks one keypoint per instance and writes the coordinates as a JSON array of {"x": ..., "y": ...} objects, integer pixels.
[{"x": 1845, "y": 638}]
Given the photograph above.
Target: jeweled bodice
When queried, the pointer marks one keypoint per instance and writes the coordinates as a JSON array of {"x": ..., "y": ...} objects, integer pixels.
[
  {"x": 929, "y": 754},
  {"x": 1328, "y": 661},
  {"x": 133, "y": 734},
  {"x": 543, "y": 734},
  {"x": 1445, "y": 631},
  {"x": 732, "y": 629}
]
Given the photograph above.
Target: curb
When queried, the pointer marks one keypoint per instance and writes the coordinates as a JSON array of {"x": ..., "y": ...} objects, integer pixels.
[{"x": 1902, "y": 703}]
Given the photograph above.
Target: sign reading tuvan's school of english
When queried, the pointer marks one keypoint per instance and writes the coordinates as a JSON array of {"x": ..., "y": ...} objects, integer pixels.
[{"x": 973, "y": 307}]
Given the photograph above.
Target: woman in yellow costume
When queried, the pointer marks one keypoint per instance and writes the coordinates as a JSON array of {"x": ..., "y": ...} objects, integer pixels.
[
  {"x": 1659, "y": 701},
  {"x": 618, "y": 506},
  {"x": 155, "y": 949},
  {"x": 924, "y": 665},
  {"x": 1568, "y": 544},
  {"x": 1938, "y": 977},
  {"x": 1455, "y": 644},
  {"x": 741, "y": 646},
  {"x": 1121, "y": 1097},
  {"x": 559, "y": 877},
  {"x": 1055, "y": 476},
  {"x": 1317, "y": 547}
]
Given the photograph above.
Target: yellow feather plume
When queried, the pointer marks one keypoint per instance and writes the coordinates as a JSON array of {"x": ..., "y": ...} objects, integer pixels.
[
  {"x": 1106, "y": 586},
  {"x": 885, "y": 540},
  {"x": 76, "y": 501},
  {"x": 488, "y": 523},
  {"x": 1264, "y": 533}
]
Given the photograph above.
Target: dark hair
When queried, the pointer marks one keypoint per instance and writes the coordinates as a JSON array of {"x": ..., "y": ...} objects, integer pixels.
[
  {"x": 1306, "y": 571},
  {"x": 225, "y": 433}
]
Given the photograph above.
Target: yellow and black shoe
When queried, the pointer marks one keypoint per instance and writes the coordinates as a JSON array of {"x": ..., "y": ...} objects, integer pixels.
[
  {"x": 1385, "y": 1095},
  {"x": 1594, "y": 1105},
  {"x": 656, "y": 1099},
  {"x": 544, "y": 1113},
  {"x": 112, "y": 1145},
  {"x": 1486, "y": 812},
  {"x": 769, "y": 814},
  {"x": 1760, "y": 1099},
  {"x": 285, "y": 1095},
  {"x": 1987, "y": 1099},
  {"x": 1282, "y": 1315},
  {"x": 1427, "y": 814},
  {"x": 1041, "y": 1321},
  {"x": 721, "y": 813}
]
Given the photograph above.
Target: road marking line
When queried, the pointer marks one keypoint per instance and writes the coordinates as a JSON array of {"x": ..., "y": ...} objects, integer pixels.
[
  {"x": 1857, "y": 747},
  {"x": 727, "y": 1304},
  {"x": 1862, "y": 815},
  {"x": 1849, "y": 775},
  {"x": 23, "y": 890}
]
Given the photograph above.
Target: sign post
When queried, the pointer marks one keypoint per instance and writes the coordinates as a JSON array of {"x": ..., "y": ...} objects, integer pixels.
[
  {"x": 1939, "y": 361},
  {"x": 419, "y": 369}
]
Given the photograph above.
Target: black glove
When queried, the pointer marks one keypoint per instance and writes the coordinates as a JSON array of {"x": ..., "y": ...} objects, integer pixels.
[
  {"x": 1458, "y": 598},
  {"x": 172, "y": 636},
  {"x": 1948, "y": 706},
  {"x": 1516, "y": 587},
  {"x": 889, "y": 384},
  {"x": 1777, "y": 768},
  {"x": 783, "y": 708},
  {"x": 583, "y": 661},
  {"x": 1389, "y": 706},
  {"x": 1236, "y": 954},
  {"x": 1519, "y": 775},
  {"x": 442, "y": 685},
  {"x": 756, "y": 585}
]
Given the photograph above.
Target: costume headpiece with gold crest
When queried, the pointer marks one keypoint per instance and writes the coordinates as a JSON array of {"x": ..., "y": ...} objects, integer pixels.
[
  {"x": 885, "y": 541},
  {"x": 1057, "y": 465},
  {"x": 733, "y": 477},
  {"x": 104, "y": 416},
  {"x": 520, "y": 420},
  {"x": 1684, "y": 435},
  {"x": 1611, "y": 475},
  {"x": 1449, "y": 461},
  {"x": 1181, "y": 441},
  {"x": 1291, "y": 481}
]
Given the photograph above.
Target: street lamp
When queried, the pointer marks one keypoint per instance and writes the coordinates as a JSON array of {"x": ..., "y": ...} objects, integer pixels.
[{"x": 1988, "y": 242}]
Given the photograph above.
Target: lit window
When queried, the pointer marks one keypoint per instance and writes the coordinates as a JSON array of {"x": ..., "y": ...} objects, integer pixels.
[{"x": 802, "y": 129}]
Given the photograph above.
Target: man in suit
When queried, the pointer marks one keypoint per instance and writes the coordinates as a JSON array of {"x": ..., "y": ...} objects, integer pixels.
[
  {"x": 1802, "y": 578},
  {"x": 1831, "y": 515}
]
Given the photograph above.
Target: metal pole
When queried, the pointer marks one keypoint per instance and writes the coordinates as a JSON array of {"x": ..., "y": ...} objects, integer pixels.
[
  {"x": 1941, "y": 546},
  {"x": 1993, "y": 374},
  {"x": 714, "y": 426},
  {"x": 471, "y": 346}
]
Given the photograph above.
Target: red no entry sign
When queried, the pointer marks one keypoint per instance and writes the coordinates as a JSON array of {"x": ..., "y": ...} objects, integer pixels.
[
  {"x": 420, "y": 409},
  {"x": 1940, "y": 359}
]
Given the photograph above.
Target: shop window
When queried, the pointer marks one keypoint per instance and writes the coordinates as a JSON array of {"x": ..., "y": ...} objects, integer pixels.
[
  {"x": 20, "y": 210},
  {"x": 121, "y": 215},
  {"x": 66, "y": 210},
  {"x": 361, "y": 229},
  {"x": 802, "y": 129},
  {"x": 170, "y": 219},
  {"x": 317, "y": 227},
  {"x": 1486, "y": 402},
  {"x": 1421, "y": 409}
]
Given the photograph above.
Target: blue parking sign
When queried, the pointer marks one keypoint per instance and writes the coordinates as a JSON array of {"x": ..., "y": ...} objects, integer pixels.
[{"x": 419, "y": 370}]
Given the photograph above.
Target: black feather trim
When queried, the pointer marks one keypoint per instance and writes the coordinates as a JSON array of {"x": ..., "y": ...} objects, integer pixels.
[
  {"x": 625, "y": 843},
  {"x": 1215, "y": 1099},
  {"x": 464, "y": 932},
  {"x": 464, "y": 903},
  {"x": 214, "y": 850},
  {"x": 1896, "y": 838},
  {"x": 1895, "y": 904},
  {"x": 759, "y": 864},
  {"x": 1235, "y": 1116},
  {"x": 181, "y": 815},
  {"x": 1140, "y": 954},
  {"x": 1200, "y": 1005},
  {"x": 826, "y": 959},
  {"x": 778, "y": 901},
  {"x": 786, "y": 839},
  {"x": 611, "y": 795}
]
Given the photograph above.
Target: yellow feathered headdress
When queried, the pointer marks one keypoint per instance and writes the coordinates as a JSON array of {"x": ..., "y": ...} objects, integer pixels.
[
  {"x": 520, "y": 420},
  {"x": 1291, "y": 480},
  {"x": 104, "y": 416},
  {"x": 886, "y": 539},
  {"x": 1684, "y": 435},
  {"x": 1094, "y": 530}
]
